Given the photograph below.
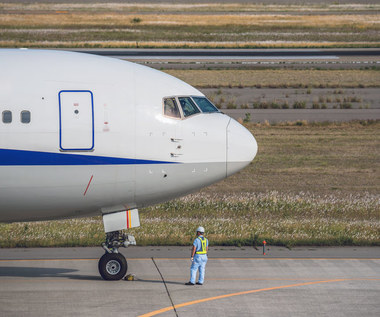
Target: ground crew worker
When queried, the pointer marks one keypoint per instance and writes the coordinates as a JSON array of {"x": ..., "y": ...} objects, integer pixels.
[{"x": 198, "y": 258}]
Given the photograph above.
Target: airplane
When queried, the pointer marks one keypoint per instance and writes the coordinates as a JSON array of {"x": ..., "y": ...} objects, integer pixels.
[{"x": 84, "y": 135}]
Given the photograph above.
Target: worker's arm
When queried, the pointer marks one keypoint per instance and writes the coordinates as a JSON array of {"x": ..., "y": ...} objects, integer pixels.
[{"x": 193, "y": 251}]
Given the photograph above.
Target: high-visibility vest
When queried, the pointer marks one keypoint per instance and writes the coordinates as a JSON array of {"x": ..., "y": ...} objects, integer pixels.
[{"x": 204, "y": 246}]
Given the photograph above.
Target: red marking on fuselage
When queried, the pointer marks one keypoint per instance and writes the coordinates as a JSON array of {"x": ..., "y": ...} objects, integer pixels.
[{"x": 88, "y": 185}]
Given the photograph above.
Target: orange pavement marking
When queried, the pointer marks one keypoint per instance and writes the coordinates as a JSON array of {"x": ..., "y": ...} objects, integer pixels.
[{"x": 163, "y": 310}]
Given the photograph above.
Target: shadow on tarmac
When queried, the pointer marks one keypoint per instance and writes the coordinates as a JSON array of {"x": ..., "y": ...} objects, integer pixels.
[
  {"x": 61, "y": 273},
  {"x": 44, "y": 272}
]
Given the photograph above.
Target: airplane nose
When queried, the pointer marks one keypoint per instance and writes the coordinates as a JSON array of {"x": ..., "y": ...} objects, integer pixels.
[{"x": 241, "y": 147}]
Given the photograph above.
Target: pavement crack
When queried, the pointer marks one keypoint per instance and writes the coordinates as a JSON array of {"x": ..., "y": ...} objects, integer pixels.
[{"x": 166, "y": 287}]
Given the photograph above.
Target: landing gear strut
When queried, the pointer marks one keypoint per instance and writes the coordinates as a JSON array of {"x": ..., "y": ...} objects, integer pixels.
[{"x": 113, "y": 265}]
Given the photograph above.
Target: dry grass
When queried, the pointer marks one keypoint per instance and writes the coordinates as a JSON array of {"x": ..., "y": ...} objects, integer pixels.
[
  {"x": 244, "y": 219},
  {"x": 201, "y": 25},
  {"x": 340, "y": 159},
  {"x": 247, "y": 218},
  {"x": 357, "y": 21},
  {"x": 278, "y": 78}
]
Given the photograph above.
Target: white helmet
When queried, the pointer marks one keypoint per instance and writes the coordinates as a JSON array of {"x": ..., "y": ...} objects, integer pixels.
[{"x": 201, "y": 230}]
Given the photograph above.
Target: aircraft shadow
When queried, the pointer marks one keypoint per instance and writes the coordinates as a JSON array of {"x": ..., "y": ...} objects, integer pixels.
[
  {"x": 44, "y": 272},
  {"x": 39, "y": 272}
]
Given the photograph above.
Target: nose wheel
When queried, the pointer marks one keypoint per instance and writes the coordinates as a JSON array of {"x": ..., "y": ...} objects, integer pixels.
[{"x": 112, "y": 266}]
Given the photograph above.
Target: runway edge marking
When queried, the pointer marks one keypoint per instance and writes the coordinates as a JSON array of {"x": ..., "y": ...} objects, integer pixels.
[{"x": 165, "y": 309}]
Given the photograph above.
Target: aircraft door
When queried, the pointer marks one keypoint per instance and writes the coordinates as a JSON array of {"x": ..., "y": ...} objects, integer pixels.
[{"x": 76, "y": 120}]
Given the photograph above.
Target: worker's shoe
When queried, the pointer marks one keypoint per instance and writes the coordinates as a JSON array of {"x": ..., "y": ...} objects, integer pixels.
[
  {"x": 189, "y": 283},
  {"x": 199, "y": 283}
]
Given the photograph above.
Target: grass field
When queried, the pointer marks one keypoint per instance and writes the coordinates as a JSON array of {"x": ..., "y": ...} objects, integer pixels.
[
  {"x": 323, "y": 159},
  {"x": 310, "y": 184},
  {"x": 202, "y": 25}
]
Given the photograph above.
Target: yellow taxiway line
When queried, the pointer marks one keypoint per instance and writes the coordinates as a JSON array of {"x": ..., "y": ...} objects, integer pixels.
[{"x": 165, "y": 309}]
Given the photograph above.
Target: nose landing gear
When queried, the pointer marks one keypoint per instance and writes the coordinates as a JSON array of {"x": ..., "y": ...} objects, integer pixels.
[{"x": 113, "y": 265}]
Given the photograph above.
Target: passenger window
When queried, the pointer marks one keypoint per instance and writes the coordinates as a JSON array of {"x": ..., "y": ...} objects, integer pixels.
[
  {"x": 205, "y": 105},
  {"x": 171, "y": 108},
  {"x": 25, "y": 116},
  {"x": 188, "y": 106},
  {"x": 7, "y": 116}
]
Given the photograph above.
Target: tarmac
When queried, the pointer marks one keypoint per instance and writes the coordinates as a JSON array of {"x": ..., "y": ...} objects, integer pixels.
[
  {"x": 311, "y": 115},
  {"x": 305, "y": 281}
]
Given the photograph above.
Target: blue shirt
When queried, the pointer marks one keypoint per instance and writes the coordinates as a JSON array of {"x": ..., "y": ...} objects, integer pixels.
[{"x": 198, "y": 245}]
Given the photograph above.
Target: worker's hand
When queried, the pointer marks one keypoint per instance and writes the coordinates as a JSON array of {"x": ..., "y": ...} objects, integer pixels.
[{"x": 192, "y": 259}]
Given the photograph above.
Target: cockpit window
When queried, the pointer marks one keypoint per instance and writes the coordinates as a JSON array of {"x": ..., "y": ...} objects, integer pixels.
[
  {"x": 171, "y": 108},
  {"x": 205, "y": 105},
  {"x": 188, "y": 106}
]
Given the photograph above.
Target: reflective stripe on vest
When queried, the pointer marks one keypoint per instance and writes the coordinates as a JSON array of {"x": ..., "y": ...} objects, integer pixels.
[{"x": 204, "y": 246}]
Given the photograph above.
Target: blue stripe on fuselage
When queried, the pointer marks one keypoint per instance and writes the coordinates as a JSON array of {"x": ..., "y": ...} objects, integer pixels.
[{"x": 21, "y": 157}]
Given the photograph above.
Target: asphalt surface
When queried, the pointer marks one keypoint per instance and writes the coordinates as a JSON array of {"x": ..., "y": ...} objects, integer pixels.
[
  {"x": 311, "y": 115},
  {"x": 283, "y": 2},
  {"x": 239, "y": 282},
  {"x": 239, "y": 54}
]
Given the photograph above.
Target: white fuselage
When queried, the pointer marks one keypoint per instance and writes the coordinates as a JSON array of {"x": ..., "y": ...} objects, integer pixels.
[{"x": 98, "y": 139}]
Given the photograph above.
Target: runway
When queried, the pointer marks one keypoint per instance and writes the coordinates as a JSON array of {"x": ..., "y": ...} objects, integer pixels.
[
  {"x": 232, "y": 54},
  {"x": 239, "y": 282},
  {"x": 311, "y": 115}
]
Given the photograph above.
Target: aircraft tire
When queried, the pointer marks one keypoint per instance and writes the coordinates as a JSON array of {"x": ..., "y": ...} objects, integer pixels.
[{"x": 112, "y": 266}]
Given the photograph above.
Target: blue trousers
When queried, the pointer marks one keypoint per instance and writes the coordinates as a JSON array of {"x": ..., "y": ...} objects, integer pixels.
[{"x": 199, "y": 263}]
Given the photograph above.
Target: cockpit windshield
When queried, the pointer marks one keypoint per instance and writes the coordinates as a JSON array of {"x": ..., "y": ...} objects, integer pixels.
[
  {"x": 205, "y": 105},
  {"x": 171, "y": 108},
  {"x": 188, "y": 106}
]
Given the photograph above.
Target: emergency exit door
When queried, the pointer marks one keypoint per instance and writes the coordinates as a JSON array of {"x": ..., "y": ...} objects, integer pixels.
[{"x": 76, "y": 120}]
